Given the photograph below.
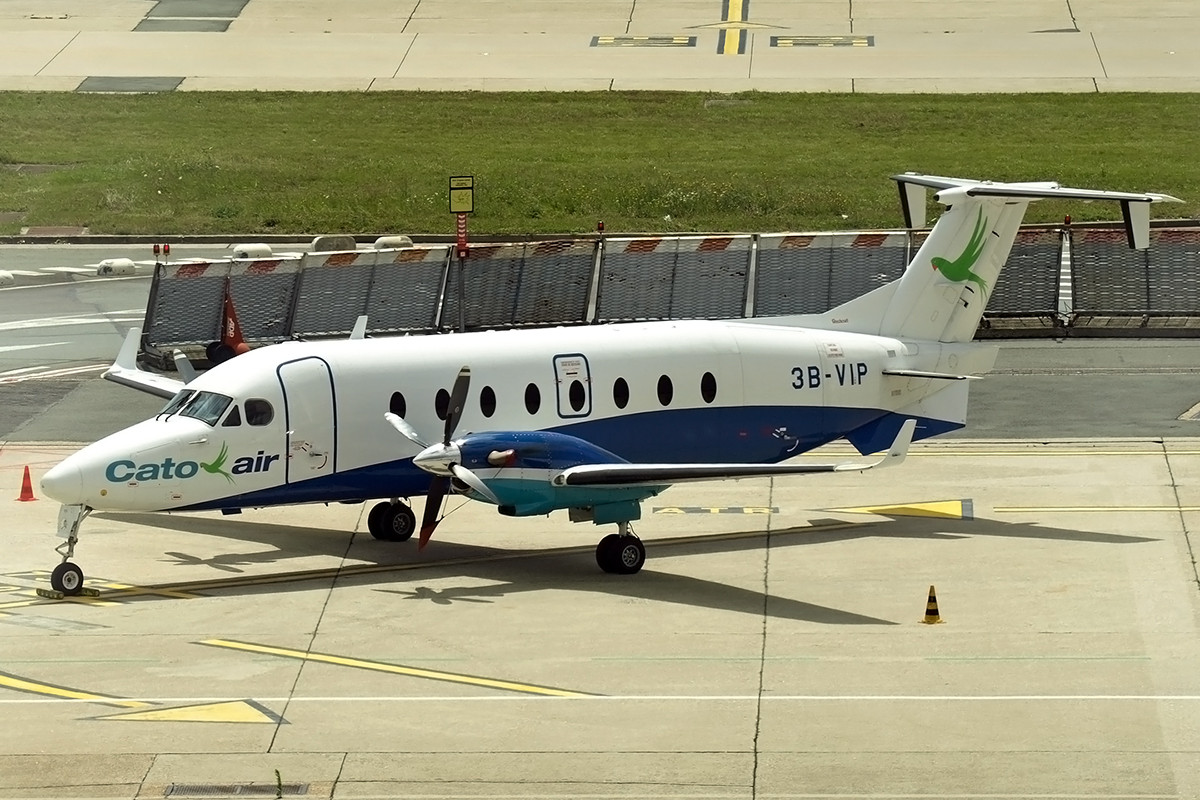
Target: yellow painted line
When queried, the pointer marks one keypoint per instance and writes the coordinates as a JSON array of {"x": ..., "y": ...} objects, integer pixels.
[
  {"x": 944, "y": 509},
  {"x": 1087, "y": 509},
  {"x": 396, "y": 669},
  {"x": 25, "y": 685},
  {"x": 242, "y": 711}
]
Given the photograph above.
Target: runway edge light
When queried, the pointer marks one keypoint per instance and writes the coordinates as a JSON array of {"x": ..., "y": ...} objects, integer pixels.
[
  {"x": 26, "y": 488},
  {"x": 931, "y": 610}
]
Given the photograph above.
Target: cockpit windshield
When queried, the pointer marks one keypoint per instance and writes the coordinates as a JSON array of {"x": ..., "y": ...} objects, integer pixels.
[
  {"x": 177, "y": 402},
  {"x": 206, "y": 407}
]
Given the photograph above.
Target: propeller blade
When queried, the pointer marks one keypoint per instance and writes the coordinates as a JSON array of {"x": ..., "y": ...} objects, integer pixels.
[
  {"x": 471, "y": 479},
  {"x": 433, "y": 506},
  {"x": 406, "y": 430},
  {"x": 458, "y": 397}
]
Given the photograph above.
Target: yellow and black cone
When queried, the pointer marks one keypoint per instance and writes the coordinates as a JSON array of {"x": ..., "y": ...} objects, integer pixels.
[{"x": 931, "y": 610}]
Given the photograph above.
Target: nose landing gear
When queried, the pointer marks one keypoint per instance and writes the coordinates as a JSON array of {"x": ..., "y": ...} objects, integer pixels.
[{"x": 67, "y": 578}]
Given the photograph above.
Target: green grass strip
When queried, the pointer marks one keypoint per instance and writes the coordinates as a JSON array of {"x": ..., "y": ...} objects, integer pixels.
[{"x": 191, "y": 162}]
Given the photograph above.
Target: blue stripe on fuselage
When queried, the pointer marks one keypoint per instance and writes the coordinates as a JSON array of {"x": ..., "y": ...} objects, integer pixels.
[{"x": 742, "y": 434}]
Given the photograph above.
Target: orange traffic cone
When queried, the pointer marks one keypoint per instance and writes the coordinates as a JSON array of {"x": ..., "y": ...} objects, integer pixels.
[
  {"x": 931, "y": 610},
  {"x": 26, "y": 488}
]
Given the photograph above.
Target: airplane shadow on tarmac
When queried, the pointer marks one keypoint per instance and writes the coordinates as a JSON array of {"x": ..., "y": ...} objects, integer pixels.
[{"x": 570, "y": 568}]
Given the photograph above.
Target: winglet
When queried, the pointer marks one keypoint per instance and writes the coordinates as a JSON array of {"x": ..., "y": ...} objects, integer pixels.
[
  {"x": 895, "y": 455},
  {"x": 125, "y": 370},
  {"x": 127, "y": 356},
  {"x": 360, "y": 328}
]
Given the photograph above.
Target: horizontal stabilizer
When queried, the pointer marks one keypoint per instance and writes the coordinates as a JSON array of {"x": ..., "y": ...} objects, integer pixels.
[
  {"x": 661, "y": 474},
  {"x": 125, "y": 370}
]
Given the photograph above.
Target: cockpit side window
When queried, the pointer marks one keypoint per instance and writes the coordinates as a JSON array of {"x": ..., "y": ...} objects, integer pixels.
[
  {"x": 207, "y": 407},
  {"x": 259, "y": 412},
  {"x": 177, "y": 402},
  {"x": 233, "y": 419}
]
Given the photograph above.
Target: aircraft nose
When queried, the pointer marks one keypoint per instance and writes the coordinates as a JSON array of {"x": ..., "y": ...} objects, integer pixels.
[{"x": 64, "y": 483}]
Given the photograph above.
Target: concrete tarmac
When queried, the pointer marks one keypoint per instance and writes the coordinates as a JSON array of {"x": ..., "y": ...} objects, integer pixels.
[
  {"x": 694, "y": 45},
  {"x": 772, "y": 647}
]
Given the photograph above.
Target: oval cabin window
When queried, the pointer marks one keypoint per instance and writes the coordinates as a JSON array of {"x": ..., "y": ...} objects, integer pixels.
[
  {"x": 533, "y": 398},
  {"x": 665, "y": 390},
  {"x": 441, "y": 403},
  {"x": 576, "y": 395},
  {"x": 397, "y": 405},
  {"x": 621, "y": 393},
  {"x": 708, "y": 387},
  {"x": 487, "y": 401}
]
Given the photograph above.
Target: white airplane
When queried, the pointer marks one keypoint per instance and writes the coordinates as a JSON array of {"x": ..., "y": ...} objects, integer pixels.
[{"x": 591, "y": 419}]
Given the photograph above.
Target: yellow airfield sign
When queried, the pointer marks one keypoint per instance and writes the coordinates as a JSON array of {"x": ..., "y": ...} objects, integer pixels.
[{"x": 462, "y": 194}]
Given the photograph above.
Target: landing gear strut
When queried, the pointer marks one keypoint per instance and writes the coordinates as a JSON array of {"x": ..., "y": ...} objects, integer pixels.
[
  {"x": 621, "y": 553},
  {"x": 67, "y": 577},
  {"x": 392, "y": 522}
]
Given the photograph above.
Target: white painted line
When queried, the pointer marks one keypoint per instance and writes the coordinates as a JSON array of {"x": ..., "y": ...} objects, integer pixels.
[
  {"x": 59, "y": 285},
  {"x": 54, "y": 373},
  {"x": 74, "y": 319},
  {"x": 72, "y": 270},
  {"x": 25, "y": 273},
  {"x": 8, "y": 348}
]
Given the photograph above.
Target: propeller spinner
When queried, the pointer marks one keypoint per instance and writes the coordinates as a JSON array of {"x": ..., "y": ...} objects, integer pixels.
[{"x": 443, "y": 460}]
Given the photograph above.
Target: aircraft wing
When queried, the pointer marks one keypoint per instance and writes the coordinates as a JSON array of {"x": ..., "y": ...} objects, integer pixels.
[
  {"x": 654, "y": 474},
  {"x": 125, "y": 371}
]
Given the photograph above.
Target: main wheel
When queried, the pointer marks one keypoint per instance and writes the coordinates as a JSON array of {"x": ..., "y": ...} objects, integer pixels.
[
  {"x": 606, "y": 555},
  {"x": 629, "y": 555},
  {"x": 397, "y": 523},
  {"x": 375, "y": 518},
  {"x": 67, "y": 578}
]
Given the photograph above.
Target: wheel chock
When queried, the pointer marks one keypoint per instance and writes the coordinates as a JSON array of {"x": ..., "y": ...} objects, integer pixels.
[
  {"x": 89, "y": 592},
  {"x": 931, "y": 610},
  {"x": 49, "y": 594}
]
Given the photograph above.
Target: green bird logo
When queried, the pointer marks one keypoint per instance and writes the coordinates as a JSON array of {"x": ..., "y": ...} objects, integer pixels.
[
  {"x": 215, "y": 467},
  {"x": 960, "y": 268}
]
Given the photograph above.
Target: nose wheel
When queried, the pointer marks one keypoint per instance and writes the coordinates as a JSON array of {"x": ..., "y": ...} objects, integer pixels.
[{"x": 67, "y": 577}]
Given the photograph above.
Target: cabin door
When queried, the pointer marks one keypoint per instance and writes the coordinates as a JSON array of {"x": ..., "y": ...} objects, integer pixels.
[
  {"x": 573, "y": 380},
  {"x": 311, "y": 418}
]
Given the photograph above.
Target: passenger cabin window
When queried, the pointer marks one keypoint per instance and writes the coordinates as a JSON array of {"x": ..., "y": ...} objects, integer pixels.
[
  {"x": 533, "y": 398},
  {"x": 178, "y": 401},
  {"x": 708, "y": 387},
  {"x": 487, "y": 401},
  {"x": 259, "y": 412},
  {"x": 665, "y": 390},
  {"x": 233, "y": 419},
  {"x": 441, "y": 403},
  {"x": 576, "y": 395},
  {"x": 397, "y": 405},
  {"x": 621, "y": 393},
  {"x": 206, "y": 407}
]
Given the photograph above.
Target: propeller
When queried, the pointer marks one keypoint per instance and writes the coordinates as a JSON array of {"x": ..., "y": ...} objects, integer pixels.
[{"x": 442, "y": 460}]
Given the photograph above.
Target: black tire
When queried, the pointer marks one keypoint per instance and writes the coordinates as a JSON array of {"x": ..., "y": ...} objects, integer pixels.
[
  {"x": 210, "y": 351},
  {"x": 629, "y": 555},
  {"x": 397, "y": 523},
  {"x": 67, "y": 578},
  {"x": 607, "y": 553},
  {"x": 375, "y": 518}
]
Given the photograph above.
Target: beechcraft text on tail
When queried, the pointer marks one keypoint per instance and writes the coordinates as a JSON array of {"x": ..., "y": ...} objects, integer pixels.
[{"x": 591, "y": 419}]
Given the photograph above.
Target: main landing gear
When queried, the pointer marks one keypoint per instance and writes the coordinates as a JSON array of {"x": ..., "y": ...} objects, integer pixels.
[
  {"x": 392, "y": 521},
  {"x": 621, "y": 553},
  {"x": 67, "y": 577}
]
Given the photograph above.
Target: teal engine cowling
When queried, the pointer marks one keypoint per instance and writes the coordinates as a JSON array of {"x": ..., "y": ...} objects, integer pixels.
[{"x": 519, "y": 468}]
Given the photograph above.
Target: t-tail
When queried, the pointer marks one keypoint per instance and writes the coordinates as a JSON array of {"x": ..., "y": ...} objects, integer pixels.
[{"x": 945, "y": 289}]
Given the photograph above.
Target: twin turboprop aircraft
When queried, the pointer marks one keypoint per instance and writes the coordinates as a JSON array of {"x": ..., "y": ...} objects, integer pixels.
[{"x": 590, "y": 419}]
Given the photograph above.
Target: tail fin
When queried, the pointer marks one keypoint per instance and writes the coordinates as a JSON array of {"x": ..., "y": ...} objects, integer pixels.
[{"x": 944, "y": 290}]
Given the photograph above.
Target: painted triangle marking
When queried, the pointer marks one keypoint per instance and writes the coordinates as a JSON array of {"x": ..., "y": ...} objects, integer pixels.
[
  {"x": 229, "y": 711},
  {"x": 944, "y": 509}
]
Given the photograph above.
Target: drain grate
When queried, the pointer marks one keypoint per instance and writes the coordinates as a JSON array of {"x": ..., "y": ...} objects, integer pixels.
[{"x": 236, "y": 790}]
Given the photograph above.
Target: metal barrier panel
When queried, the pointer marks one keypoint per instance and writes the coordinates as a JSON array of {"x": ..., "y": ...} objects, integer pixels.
[
  {"x": 262, "y": 294},
  {"x": 812, "y": 273},
  {"x": 1107, "y": 277},
  {"x": 511, "y": 285},
  {"x": 332, "y": 292},
  {"x": 1028, "y": 284},
  {"x": 186, "y": 307},
  {"x": 682, "y": 277},
  {"x": 405, "y": 288},
  {"x": 1174, "y": 275}
]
